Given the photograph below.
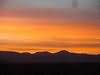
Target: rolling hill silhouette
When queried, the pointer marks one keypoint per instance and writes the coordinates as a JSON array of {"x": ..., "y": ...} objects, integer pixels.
[{"x": 46, "y": 57}]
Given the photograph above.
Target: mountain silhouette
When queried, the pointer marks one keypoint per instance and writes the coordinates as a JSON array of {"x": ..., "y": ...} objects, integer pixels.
[{"x": 46, "y": 57}]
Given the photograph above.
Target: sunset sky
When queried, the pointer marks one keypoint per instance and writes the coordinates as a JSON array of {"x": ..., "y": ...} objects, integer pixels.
[{"x": 30, "y": 27}]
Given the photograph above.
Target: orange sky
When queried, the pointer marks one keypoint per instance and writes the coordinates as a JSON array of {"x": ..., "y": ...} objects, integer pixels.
[{"x": 33, "y": 35}]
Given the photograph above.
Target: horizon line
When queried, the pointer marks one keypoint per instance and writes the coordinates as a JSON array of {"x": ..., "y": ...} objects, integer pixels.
[{"x": 51, "y": 52}]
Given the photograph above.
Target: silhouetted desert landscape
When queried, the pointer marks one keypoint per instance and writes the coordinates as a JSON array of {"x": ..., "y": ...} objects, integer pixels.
[
  {"x": 46, "y": 57},
  {"x": 45, "y": 63}
]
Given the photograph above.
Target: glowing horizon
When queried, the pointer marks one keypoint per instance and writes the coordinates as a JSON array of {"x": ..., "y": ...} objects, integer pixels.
[{"x": 40, "y": 34}]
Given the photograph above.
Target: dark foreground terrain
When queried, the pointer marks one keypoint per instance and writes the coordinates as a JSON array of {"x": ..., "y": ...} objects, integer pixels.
[
  {"x": 45, "y": 63},
  {"x": 46, "y": 57}
]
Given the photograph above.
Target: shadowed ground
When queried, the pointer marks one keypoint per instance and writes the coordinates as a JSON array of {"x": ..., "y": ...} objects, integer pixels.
[{"x": 46, "y": 57}]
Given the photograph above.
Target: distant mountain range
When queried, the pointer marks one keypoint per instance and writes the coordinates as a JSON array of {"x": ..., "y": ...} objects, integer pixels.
[{"x": 46, "y": 57}]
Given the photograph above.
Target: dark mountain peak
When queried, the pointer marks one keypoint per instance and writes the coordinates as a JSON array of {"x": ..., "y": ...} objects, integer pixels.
[
  {"x": 42, "y": 53},
  {"x": 63, "y": 52}
]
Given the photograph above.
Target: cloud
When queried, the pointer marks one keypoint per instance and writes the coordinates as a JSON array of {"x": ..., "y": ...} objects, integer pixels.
[
  {"x": 54, "y": 44},
  {"x": 56, "y": 15}
]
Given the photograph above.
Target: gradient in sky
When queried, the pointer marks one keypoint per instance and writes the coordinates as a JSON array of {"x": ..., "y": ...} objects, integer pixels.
[{"x": 49, "y": 25}]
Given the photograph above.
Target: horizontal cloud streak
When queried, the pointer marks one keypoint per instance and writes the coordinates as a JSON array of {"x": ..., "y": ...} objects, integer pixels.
[
  {"x": 56, "y": 15},
  {"x": 56, "y": 44}
]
